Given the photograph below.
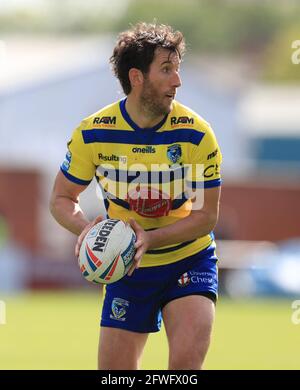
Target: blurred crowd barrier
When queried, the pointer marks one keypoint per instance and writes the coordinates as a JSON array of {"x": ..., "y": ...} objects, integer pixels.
[{"x": 259, "y": 268}]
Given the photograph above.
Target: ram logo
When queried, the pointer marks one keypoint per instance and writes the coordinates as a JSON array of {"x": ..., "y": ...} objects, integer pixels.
[
  {"x": 105, "y": 120},
  {"x": 184, "y": 120}
]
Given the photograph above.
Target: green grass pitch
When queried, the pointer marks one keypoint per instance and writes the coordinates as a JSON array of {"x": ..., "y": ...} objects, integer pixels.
[{"x": 59, "y": 330}]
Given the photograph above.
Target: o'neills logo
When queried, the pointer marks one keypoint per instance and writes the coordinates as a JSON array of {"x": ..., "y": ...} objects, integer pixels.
[
  {"x": 103, "y": 235},
  {"x": 147, "y": 149}
]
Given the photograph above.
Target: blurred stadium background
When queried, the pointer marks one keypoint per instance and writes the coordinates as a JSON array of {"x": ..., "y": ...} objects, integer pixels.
[{"x": 241, "y": 73}]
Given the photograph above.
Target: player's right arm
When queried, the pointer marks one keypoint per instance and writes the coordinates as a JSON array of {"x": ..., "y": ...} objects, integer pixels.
[
  {"x": 64, "y": 204},
  {"x": 75, "y": 174}
]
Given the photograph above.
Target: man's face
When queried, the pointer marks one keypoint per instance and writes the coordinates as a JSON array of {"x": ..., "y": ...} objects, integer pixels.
[{"x": 161, "y": 82}]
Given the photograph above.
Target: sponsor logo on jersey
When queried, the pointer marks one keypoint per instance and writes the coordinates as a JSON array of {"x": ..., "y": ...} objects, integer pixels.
[
  {"x": 103, "y": 235},
  {"x": 174, "y": 153},
  {"x": 212, "y": 155},
  {"x": 109, "y": 121},
  {"x": 67, "y": 161},
  {"x": 184, "y": 280},
  {"x": 112, "y": 157},
  {"x": 181, "y": 120},
  {"x": 211, "y": 171},
  {"x": 147, "y": 149},
  {"x": 119, "y": 309},
  {"x": 149, "y": 202}
]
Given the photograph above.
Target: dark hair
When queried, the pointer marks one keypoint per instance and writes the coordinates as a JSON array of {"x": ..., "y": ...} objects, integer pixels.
[{"x": 135, "y": 48}]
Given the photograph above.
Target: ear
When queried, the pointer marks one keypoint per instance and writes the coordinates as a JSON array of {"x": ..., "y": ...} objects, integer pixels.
[{"x": 136, "y": 77}]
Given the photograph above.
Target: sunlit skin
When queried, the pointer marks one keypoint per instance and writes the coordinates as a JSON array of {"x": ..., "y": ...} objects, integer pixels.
[{"x": 152, "y": 94}]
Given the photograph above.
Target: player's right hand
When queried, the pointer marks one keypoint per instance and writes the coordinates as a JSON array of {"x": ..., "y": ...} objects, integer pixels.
[
  {"x": 84, "y": 232},
  {"x": 141, "y": 245}
]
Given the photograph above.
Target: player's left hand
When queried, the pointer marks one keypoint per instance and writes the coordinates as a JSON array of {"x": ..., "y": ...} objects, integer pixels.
[{"x": 141, "y": 245}]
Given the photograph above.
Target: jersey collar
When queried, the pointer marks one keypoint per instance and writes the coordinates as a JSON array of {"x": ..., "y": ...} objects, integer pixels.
[{"x": 133, "y": 124}]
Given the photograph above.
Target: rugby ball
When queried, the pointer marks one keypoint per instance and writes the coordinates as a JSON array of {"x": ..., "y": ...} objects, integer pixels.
[{"x": 107, "y": 251}]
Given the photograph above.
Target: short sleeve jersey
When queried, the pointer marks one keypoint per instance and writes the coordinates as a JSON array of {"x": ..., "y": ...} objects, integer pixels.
[{"x": 153, "y": 175}]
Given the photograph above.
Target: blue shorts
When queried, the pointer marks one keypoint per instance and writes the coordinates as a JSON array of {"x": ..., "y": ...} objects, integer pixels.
[{"x": 135, "y": 302}]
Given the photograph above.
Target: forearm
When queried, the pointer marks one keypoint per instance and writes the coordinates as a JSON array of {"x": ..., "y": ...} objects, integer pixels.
[
  {"x": 68, "y": 214},
  {"x": 187, "y": 229}
]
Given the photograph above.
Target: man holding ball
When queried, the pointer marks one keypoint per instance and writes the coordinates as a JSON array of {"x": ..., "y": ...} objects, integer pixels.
[{"x": 158, "y": 163}]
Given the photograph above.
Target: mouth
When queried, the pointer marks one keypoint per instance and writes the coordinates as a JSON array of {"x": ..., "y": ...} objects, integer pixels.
[{"x": 171, "y": 96}]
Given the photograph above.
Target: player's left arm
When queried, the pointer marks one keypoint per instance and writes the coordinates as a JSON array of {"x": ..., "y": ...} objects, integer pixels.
[{"x": 198, "y": 224}]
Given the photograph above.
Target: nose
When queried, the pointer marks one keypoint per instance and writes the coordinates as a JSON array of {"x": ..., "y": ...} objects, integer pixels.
[{"x": 176, "y": 80}]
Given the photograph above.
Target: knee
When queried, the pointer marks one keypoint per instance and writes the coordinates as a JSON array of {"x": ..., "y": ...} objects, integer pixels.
[
  {"x": 189, "y": 357},
  {"x": 190, "y": 352}
]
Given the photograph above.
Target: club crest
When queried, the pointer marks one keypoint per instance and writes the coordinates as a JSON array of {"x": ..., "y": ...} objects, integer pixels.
[
  {"x": 119, "y": 309},
  {"x": 174, "y": 153}
]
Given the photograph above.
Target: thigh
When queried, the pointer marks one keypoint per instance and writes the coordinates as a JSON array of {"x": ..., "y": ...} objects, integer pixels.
[
  {"x": 120, "y": 349},
  {"x": 188, "y": 321}
]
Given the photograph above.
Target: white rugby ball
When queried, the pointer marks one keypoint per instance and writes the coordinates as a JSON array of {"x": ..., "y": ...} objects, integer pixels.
[{"x": 107, "y": 251}]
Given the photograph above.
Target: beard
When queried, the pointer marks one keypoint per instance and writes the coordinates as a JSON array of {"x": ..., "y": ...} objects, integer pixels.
[{"x": 153, "y": 102}]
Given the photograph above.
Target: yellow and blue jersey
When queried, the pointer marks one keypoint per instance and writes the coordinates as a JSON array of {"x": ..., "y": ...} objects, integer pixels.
[{"x": 147, "y": 174}]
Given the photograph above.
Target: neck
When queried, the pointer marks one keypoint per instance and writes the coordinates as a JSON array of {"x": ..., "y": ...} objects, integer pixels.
[{"x": 139, "y": 113}]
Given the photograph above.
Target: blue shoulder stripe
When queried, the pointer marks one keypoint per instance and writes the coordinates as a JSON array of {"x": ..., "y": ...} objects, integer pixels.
[
  {"x": 75, "y": 179},
  {"x": 142, "y": 138}
]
